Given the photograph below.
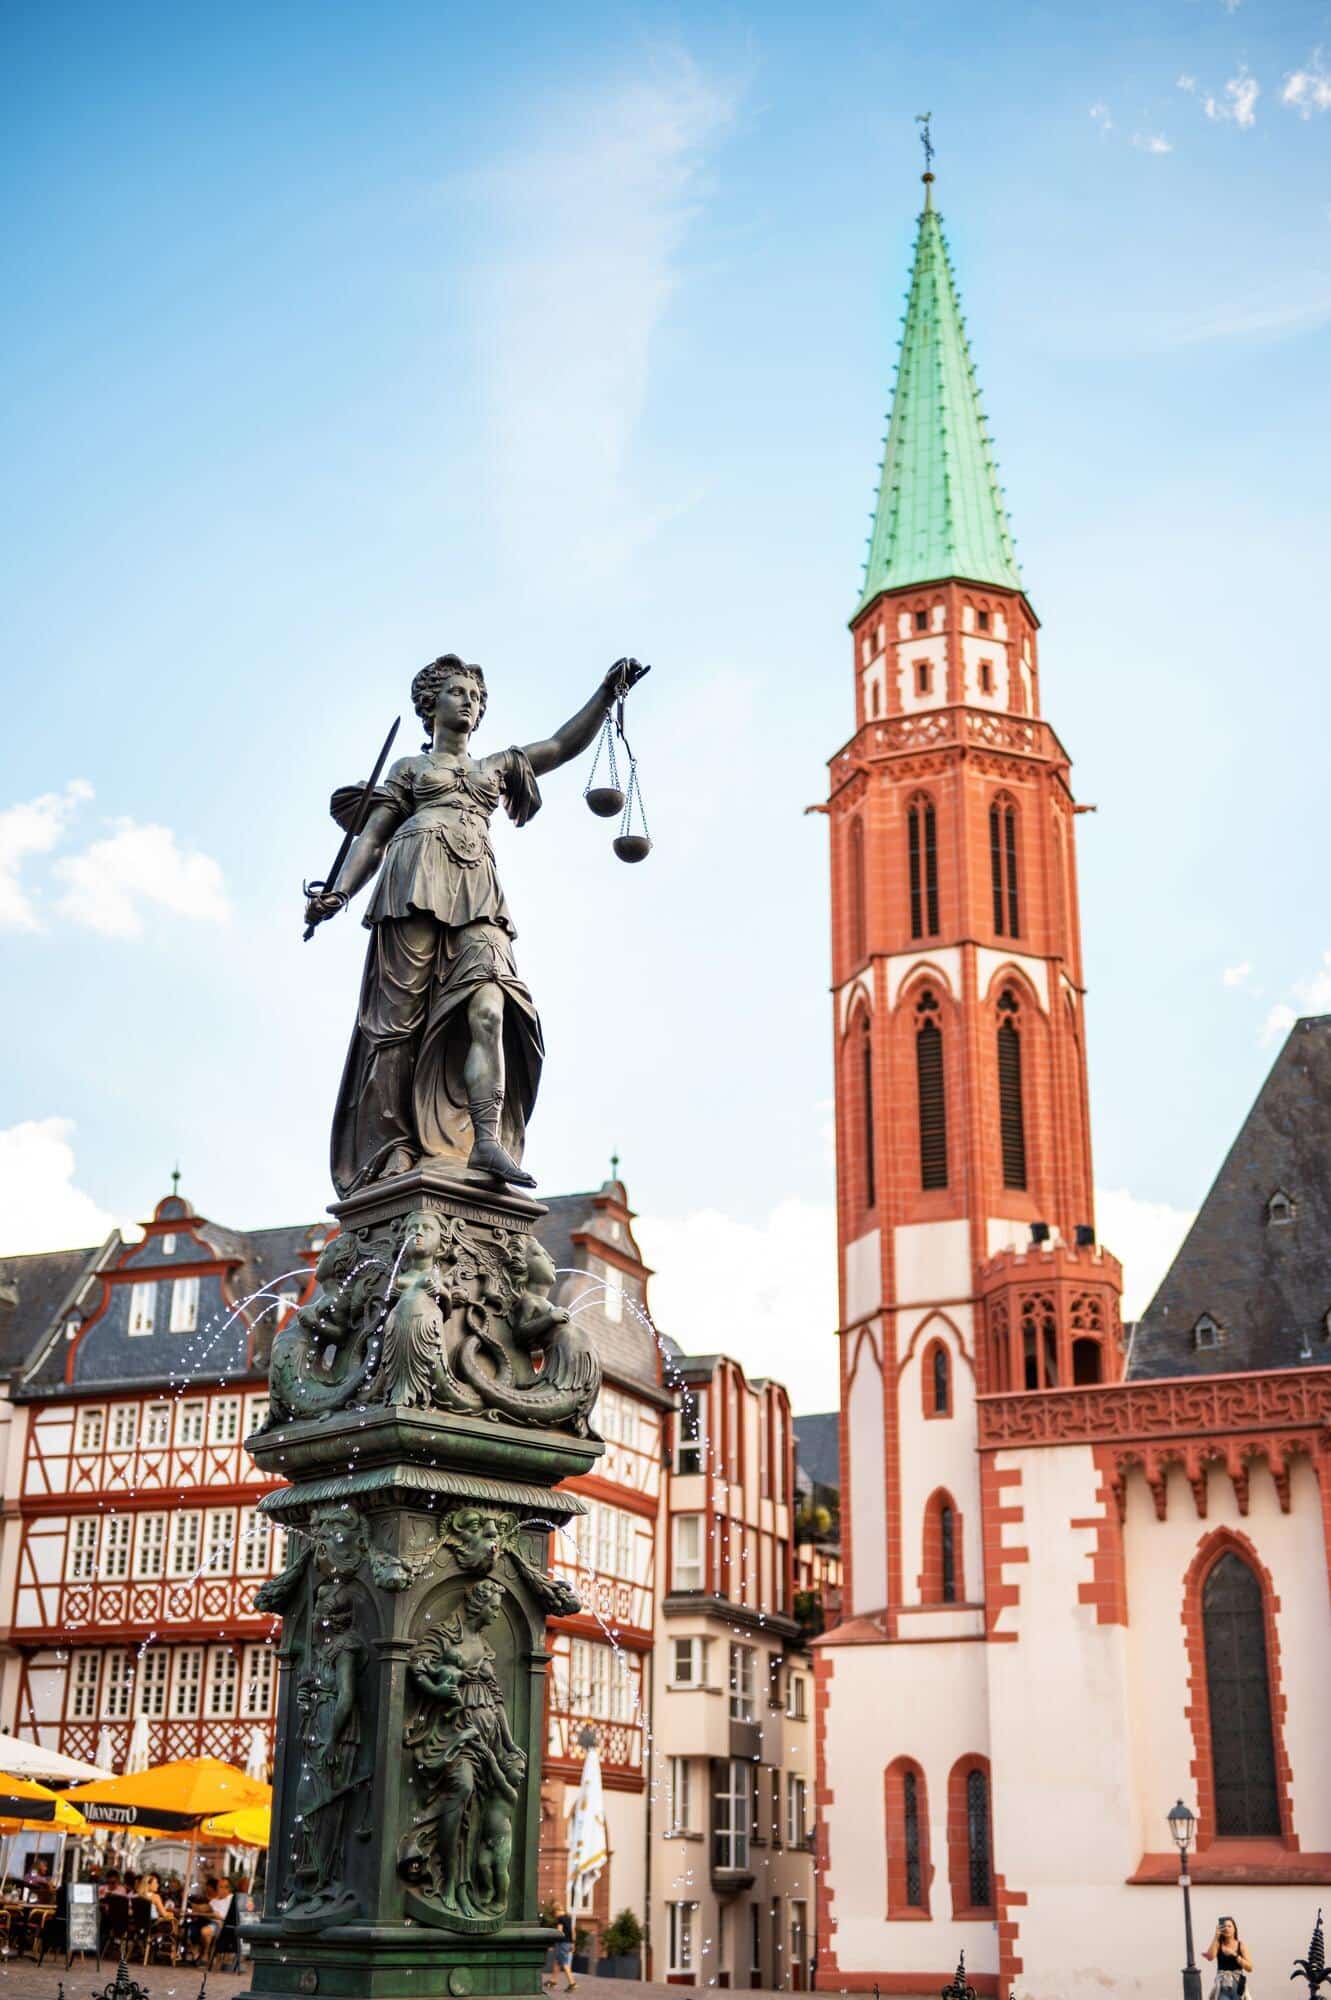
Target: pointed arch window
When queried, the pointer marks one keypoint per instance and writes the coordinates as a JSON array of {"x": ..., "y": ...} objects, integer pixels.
[
  {"x": 940, "y": 1580},
  {"x": 942, "y": 1381},
  {"x": 978, "y": 1840},
  {"x": 1243, "y": 1764},
  {"x": 1011, "y": 1114},
  {"x": 922, "y": 853},
  {"x": 906, "y": 1804},
  {"x": 970, "y": 1838},
  {"x": 1003, "y": 866},
  {"x": 864, "y": 1063},
  {"x": 932, "y": 1093},
  {"x": 855, "y": 887}
]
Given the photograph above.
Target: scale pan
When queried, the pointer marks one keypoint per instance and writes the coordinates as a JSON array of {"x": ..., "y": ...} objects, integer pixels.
[
  {"x": 632, "y": 846},
  {"x": 605, "y": 800}
]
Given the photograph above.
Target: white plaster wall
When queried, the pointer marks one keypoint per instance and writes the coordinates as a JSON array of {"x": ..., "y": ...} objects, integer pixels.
[
  {"x": 922, "y": 646},
  {"x": 864, "y": 1275},
  {"x": 1097, "y": 1940},
  {"x": 626, "y": 1823},
  {"x": 938, "y": 1451},
  {"x": 902, "y": 964},
  {"x": 984, "y": 646},
  {"x": 875, "y": 683},
  {"x": 920, "y": 1701},
  {"x": 988, "y": 963},
  {"x": 848, "y": 997},
  {"x": 1002, "y": 1233},
  {"x": 933, "y": 1261},
  {"x": 867, "y": 1495},
  {"x": 1159, "y": 1554}
]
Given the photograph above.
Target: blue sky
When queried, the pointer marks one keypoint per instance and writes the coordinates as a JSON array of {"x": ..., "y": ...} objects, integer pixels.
[{"x": 342, "y": 335}]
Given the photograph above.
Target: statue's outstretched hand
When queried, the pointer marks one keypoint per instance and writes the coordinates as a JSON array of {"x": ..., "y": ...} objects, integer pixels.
[
  {"x": 624, "y": 675},
  {"x": 322, "y": 905}
]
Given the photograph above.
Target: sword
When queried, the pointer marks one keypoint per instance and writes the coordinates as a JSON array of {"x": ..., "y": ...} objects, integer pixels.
[{"x": 362, "y": 813}]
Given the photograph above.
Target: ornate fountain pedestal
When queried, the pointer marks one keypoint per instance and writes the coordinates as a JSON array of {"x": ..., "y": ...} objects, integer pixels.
[{"x": 407, "y": 1784}]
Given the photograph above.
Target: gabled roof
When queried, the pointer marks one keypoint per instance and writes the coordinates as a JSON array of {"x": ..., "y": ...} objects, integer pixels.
[
  {"x": 1262, "y": 1276},
  {"x": 940, "y": 508}
]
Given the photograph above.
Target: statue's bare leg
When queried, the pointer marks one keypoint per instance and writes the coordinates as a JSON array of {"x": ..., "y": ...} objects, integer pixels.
[{"x": 483, "y": 1073}]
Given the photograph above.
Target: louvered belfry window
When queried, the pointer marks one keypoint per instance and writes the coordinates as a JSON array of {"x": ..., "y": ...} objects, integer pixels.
[
  {"x": 1011, "y": 1117},
  {"x": 922, "y": 849},
  {"x": 1243, "y": 1761},
  {"x": 1003, "y": 866},
  {"x": 933, "y": 1098}
]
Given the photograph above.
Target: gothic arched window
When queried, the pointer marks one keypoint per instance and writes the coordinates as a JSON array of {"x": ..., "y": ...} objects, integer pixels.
[
  {"x": 865, "y": 1083},
  {"x": 1003, "y": 866},
  {"x": 855, "y": 871},
  {"x": 932, "y": 1094},
  {"x": 906, "y": 1805},
  {"x": 942, "y": 1381},
  {"x": 940, "y": 1582},
  {"x": 1238, "y": 1687},
  {"x": 910, "y": 1814},
  {"x": 1011, "y": 1115},
  {"x": 922, "y": 852},
  {"x": 978, "y": 1844}
]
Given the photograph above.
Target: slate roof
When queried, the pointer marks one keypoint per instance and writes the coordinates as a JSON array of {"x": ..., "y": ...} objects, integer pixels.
[
  {"x": 818, "y": 1448},
  {"x": 627, "y": 1347},
  {"x": 33, "y": 1291},
  {"x": 1265, "y": 1282},
  {"x": 940, "y": 507}
]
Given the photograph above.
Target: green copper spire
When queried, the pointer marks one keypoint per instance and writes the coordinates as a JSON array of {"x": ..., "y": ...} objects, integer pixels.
[{"x": 940, "y": 509}]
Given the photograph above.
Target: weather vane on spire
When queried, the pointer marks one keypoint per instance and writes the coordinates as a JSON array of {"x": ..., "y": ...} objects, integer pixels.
[{"x": 926, "y": 139}]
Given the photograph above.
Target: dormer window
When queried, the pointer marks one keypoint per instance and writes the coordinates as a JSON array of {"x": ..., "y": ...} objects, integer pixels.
[
  {"x": 168, "y": 1246},
  {"x": 921, "y": 621},
  {"x": 924, "y": 675},
  {"x": 1280, "y": 1208},
  {"x": 1207, "y": 1332}
]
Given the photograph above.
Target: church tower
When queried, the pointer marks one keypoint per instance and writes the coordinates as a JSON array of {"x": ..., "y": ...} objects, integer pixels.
[{"x": 968, "y": 1258}]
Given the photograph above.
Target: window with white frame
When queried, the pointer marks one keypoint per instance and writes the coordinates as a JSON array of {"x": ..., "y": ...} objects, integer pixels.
[
  {"x": 124, "y": 1426},
  {"x": 612, "y": 1553},
  {"x": 252, "y": 1543},
  {"x": 681, "y": 1927},
  {"x": 184, "y": 1305},
  {"x": 689, "y": 1442},
  {"x": 190, "y": 1422},
  {"x": 153, "y": 1677},
  {"x": 796, "y": 1698},
  {"x": 81, "y": 1559},
  {"x": 186, "y": 1541},
  {"x": 688, "y": 1663},
  {"x": 117, "y": 1535},
  {"x": 219, "y": 1533},
  {"x": 224, "y": 1420},
  {"x": 686, "y": 1567},
  {"x": 188, "y": 1682},
  {"x": 734, "y": 1815},
  {"x": 117, "y": 1686},
  {"x": 616, "y": 1417},
  {"x": 150, "y": 1546},
  {"x": 157, "y": 1425},
  {"x": 91, "y": 1429},
  {"x": 797, "y": 1810},
  {"x": 85, "y": 1676},
  {"x": 258, "y": 1679},
  {"x": 256, "y": 1414},
  {"x": 743, "y": 1698},
  {"x": 142, "y": 1308},
  {"x": 612, "y": 1299},
  {"x": 681, "y": 1795},
  {"x": 223, "y": 1675}
]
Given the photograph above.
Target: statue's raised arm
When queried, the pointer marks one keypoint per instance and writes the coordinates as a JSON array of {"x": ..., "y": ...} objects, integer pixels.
[{"x": 446, "y": 1055}]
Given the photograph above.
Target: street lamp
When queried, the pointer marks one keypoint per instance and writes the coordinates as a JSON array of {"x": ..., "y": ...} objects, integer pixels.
[{"x": 1181, "y": 1825}]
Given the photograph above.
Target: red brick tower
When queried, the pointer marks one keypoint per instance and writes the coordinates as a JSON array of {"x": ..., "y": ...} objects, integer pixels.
[{"x": 964, "y": 1193}]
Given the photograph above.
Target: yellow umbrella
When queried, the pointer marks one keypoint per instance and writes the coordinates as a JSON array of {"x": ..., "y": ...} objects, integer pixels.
[
  {"x": 23, "y": 1802},
  {"x": 247, "y": 1828},
  {"x": 171, "y": 1798}
]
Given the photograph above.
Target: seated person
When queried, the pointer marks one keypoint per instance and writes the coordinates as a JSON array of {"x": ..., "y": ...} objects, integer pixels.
[
  {"x": 150, "y": 1887},
  {"x": 203, "y": 1927},
  {"x": 110, "y": 1885}
]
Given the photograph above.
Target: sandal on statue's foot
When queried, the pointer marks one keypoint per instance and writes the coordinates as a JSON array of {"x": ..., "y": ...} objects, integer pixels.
[{"x": 489, "y": 1157}]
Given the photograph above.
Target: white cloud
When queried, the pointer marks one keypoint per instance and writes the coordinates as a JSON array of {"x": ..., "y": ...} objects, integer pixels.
[
  {"x": 1237, "y": 103},
  {"x": 1101, "y": 119},
  {"x": 1187, "y": 83},
  {"x": 1312, "y": 995},
  {"x": 40, "y": 1207},
  {"x": 1144, "y": 1236},
  {"x": 591, "y": 229},
  {"x": 106, "y": 884},
  {"x": 1308, "y": 90},
  {"x": 32, "y": 827},
  {"x": 763, "y": 1292},
  {"x": 1152, "y": 142},
  {"x": 1234, "y": 975}
]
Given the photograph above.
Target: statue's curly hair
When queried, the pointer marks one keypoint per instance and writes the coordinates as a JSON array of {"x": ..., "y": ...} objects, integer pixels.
[{"x": 425, "y": 687}]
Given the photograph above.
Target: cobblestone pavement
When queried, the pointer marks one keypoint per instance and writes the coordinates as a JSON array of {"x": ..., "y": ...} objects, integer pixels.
[{"x": 20, "y": 1979}]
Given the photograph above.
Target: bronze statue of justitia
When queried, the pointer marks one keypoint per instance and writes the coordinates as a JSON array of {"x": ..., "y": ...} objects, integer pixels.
[{"x": 447, "y": 1035}]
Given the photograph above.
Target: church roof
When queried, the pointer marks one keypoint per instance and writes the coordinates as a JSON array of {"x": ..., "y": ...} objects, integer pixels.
[
  {"x": 1251, "y": 1286},
  {"x": 940, "y": 508}
]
